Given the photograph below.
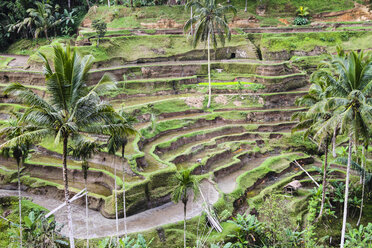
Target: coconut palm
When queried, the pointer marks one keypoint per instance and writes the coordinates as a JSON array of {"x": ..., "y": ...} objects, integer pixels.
[
  {"x": 11, "y": 129},
  {"x": 84, "y": 149},
  {"x": 118, "y": 141},
  {"x": 185, "y": 183},
  {"x": 72, "y": 107},
  {"x": 351, "y": 102},
  {"x": 211, "y": 25},
  {"x": 311, "y": 119}
]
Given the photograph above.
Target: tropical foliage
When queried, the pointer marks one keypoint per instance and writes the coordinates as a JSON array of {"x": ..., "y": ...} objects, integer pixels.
[
  {"x": 342, "y": 93},
  {"x": 37, "y": 18},
  {"x": 72, "y": 110},
  {"x": 39, "y": 231}
]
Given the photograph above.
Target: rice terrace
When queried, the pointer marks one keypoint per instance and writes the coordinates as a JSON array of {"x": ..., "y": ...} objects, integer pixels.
[{"x": 186, "y": 123}]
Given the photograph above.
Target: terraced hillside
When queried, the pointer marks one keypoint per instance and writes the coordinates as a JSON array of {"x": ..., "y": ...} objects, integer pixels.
[{"x": 241, "y": 148}]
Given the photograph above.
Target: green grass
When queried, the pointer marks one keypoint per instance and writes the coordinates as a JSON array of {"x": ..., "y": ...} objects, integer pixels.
[
  {"x": 26, "y": 47},
  {"x": 4, "y": 61},
  {"x": 124, "y": 17},
  {"x": 130, "y": 48},
  {"x": 92, "y": 34},
  {"x": 8, "y": 107},
  {"x": 165, "y": 106},
  {"x": 271, "y": 164},
  {"x": 308, "y": 41}
]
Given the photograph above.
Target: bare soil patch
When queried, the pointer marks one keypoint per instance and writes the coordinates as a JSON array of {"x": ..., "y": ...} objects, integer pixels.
[{"x": 195, "y": 101}]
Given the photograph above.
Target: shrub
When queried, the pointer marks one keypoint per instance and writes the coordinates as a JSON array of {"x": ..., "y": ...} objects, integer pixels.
[
  {"x": 344, "y": 37},
  {"x": 300, "y": 20},
  {"x": 331, "y": 39},
  {"x": 361, "y": 237}
]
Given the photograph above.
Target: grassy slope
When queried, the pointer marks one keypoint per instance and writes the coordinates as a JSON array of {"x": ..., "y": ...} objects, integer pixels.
[
  {"x": 123, "y": 17},
  {"x": 134, "y": 47},
  {"x": 4, "y": 61}
]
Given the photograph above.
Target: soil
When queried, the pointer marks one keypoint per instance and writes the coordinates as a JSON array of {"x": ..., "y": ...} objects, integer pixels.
[
  {"x": 358, "y": 13},
  {"x": 227, "y": 183},
  {"x": 195, "y": 101},
  {"x": 222, "y": 99},
  {"x": 102, "y": 227},
  {"x": 19, "y": 61}
]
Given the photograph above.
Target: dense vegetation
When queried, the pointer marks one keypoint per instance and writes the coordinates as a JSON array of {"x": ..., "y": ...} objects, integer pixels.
[{"x": 113, "y": 113}]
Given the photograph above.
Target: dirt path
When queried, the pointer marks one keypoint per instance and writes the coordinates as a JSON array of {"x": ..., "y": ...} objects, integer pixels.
[
  {"x": 19, "y": 61},
  {"x": 99, "y": 226},
  {"x": 227, "y": 183},
  {"x": 22, "y": 60}
]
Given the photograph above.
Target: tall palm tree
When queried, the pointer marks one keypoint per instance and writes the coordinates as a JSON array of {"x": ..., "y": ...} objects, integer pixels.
[
  {"x": 118, "y": 141},
  {"x": 186, "y": 182},
  {"x": 11, "y": 129},
  {"x": 84, "y": 149},
  {"x": 211, "y": 25},
  {"x": 71, "y": 109},
  {"x": 351, "y": 86},
  {"x": 315, "y": 116}
]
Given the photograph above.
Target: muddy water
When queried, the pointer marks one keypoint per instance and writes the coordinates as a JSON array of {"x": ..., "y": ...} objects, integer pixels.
[{"x": 102, "y": 227}]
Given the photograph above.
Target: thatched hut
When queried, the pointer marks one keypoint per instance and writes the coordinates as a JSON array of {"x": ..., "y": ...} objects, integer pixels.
[{"x": 292, "y": 186}]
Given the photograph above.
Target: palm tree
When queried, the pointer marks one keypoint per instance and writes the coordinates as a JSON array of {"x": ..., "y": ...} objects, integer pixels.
[
  {"x": 42, "y": 18},
  {"x": 211, "y": 25},
  {"x": 185, "y": 183},
  {"x": 11, "y": 129},
  {"x": 119, "y": 141},
  {"x": 315, "y": 116},
  {"x": 84, "y": 149},
  {"x": 72, "y": 107},
  {"x": 351, "y": 87}
]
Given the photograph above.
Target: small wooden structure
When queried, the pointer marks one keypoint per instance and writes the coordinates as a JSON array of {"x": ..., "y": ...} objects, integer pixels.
[{"x": 292, "y": 187}]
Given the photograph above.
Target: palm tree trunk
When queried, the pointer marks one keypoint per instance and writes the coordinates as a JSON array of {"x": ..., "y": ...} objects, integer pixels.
[
  {"x": 46, "y": 33},
  {"x": 124, "y": 208},
  {"x": 324, "y": 180},
  {"x": 363, "y": 184},
  {"x": 209, "y": 72},
  {"x": 19, "y": 202},
  {"x": 184, "y": 224},
  {"x": 67, "y": 193},
  {"x": 246, "y": 6},
  {"x": 108, "y": 3},
  {"x": 86, "y": 211},
  {"x": 191, "y": 23},
  {"x": 334, "y": 143},
  {"x": 69, "y": 4},
  {"x": 346, "y": 194},
  {"x": 116, "y": 201}
]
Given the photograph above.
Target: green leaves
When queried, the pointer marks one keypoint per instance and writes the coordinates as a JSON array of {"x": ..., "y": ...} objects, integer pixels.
[
  {"x": 210, "y": 20},
  {"x": 185, "y": 181}
]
